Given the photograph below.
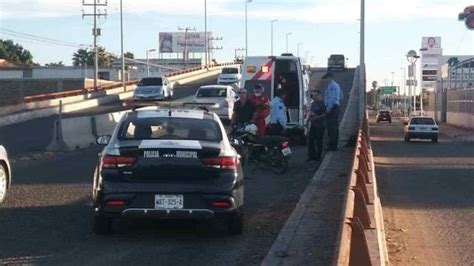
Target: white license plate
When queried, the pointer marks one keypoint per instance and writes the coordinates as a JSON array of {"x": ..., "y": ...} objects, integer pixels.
[
  {"x": 286, "y": 151},
  {"x": 169, "y": 201}
]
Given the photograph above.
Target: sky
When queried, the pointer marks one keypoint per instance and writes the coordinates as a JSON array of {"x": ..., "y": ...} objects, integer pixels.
[{"x": 323, "y": 27}]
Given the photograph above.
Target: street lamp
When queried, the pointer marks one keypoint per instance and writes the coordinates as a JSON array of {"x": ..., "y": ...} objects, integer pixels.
[
  {"x": 287, "y": 35},
  {"x": 121, "y": 46},
  {"x": 298, "y": 49},
  {"x": 273, "y": 21},
  {"x": 246, "y": 28},
  {"x": 206, "y": 44},
  {"x": 412, "y": 57},
  {"x": 147, "y": 62}
]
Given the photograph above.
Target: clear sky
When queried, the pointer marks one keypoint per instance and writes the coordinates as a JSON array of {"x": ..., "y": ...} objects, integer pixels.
[{"x": 323, "y": 26}]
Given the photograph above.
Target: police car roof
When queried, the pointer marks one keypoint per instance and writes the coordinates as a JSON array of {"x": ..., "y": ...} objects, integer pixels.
[{"x": 154, "y": 111}]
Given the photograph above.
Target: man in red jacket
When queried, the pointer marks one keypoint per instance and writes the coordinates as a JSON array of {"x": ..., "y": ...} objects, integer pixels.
[{"x": 262, "y": 104}]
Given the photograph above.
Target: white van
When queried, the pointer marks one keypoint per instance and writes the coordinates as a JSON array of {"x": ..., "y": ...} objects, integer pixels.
[{"x": 268, "y": 70}]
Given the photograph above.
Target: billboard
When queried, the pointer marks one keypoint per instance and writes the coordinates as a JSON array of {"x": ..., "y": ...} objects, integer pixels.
[
  {"x": 175, "y": 42},
  {"x": 430, "y": 43}
]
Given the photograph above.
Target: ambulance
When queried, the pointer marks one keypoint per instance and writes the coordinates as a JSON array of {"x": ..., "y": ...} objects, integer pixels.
[{"x": 271, "y": 72}]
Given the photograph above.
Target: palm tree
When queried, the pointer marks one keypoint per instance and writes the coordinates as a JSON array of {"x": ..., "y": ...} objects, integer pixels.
[{"x": 83, "y": 57}]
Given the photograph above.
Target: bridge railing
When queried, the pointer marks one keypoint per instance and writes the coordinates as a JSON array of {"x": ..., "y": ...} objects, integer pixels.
[{"x": 361, "y": 239}]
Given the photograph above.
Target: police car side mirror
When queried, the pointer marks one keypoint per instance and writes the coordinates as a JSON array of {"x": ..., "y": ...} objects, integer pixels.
[{"x": 103, "y": 140}]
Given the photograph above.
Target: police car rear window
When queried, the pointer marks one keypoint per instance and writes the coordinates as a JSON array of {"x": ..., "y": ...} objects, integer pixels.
[{"x": 170, "y": 128}]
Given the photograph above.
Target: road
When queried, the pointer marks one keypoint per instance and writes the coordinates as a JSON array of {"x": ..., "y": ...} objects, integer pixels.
[
  {"x": 427, "y": 197},
  {"x": 46, "y": 217}
]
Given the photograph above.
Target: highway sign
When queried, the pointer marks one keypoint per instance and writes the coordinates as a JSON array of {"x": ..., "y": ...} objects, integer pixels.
[{"x": 388, "y": 89}]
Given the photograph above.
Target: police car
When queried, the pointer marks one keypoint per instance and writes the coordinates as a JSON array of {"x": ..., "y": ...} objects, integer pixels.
[{"x": 168, "y": 164}]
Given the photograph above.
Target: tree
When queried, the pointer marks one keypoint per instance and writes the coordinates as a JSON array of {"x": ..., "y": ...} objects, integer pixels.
[
  {"x": 129, "y": 55},
  {"x": 14, "y": 52},
  {"x": 82, "y": 57},
  {"x": 55, "y": 64}
]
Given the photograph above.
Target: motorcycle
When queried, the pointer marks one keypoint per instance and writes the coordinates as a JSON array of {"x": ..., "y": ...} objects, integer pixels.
[{"x": 265, "y": 151}]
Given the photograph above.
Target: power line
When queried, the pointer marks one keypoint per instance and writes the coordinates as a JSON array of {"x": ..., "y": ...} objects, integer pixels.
[{"x": 41, "y": 39}]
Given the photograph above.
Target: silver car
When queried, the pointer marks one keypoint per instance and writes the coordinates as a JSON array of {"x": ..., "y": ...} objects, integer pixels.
[
  {"x": 221, "y": 95},
  {"x": 5, "y": 174},
  {"x": 153, "y": 88}
]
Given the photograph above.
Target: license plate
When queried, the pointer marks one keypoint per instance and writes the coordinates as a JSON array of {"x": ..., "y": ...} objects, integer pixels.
[
  {"x": 169, "y": 201},
  {"x": 423, "y": 128},
  {"x": 286, "y": 151}
]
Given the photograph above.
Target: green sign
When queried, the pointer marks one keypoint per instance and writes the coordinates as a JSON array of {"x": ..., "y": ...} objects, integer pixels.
[{"x": 388, "y": 89}]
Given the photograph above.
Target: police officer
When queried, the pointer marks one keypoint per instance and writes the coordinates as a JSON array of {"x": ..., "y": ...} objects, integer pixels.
[
  {"x": 317, "y": 128},
  {"x": 332, "y": 98},
  {"x": 278, "y": 117}
]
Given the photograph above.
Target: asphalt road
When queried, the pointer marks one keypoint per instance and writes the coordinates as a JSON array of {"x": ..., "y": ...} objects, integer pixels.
[
  {"x": 34, "y": 136},
  {"x": 46, "y": 217},
  {"x": 427, "y": 197}
]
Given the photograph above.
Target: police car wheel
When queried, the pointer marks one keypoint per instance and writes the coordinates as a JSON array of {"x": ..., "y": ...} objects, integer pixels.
[
  {"x": 236, "y": 222},
  {"x": 102, "y": 225}
]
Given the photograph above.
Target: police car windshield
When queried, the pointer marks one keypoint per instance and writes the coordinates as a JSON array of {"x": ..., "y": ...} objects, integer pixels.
[
  {"x": 211, "y": 92},
  {"x": 170, "y": 128}
]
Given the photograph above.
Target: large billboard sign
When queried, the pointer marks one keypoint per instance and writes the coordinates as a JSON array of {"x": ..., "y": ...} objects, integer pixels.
[
  {"x": 175, "y": 42},
  {"x": 431, "y": 43},
  {"x": 431, "y": 53}
]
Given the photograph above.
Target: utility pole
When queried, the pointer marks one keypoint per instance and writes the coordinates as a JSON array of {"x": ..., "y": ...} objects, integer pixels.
[
  {"x": 185, "y": 52},
  {"x": 95, "y": 31},
  {"x": 287, "y": 35},
  {"x": 211, "y": 47}
]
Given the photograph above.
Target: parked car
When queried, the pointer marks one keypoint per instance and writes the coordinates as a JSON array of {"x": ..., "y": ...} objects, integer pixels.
[
  {"x": 5, "y": 174},
  {"x": 168, "y": 164},
  {"x": 384, "y": 115},
  {"x": 153, "y": 88},
  {"x": 421, "y": 127},
  {"x": 222, "y": 96},
  {"x": 336, "y": 62},
  {"x": 229, "y": 75}
]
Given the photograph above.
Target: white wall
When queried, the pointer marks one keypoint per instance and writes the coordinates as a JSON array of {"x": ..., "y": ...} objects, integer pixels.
[
  {"x": 11, "y": 74},
  {"x": 463, "y": 120}
]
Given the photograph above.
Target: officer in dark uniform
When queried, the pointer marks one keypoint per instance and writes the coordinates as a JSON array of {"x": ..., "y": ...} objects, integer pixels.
[{"x": 317, "y": 127}]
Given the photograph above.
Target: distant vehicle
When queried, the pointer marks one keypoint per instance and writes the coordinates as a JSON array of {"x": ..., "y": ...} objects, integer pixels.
[
  {"x": 168, "y": 164},
  {"x": 223, "y": 96},
  {"x": 337, "y": 62},
  {"x": 229, "y": 75},
  {"x": 5, "y": 173},
  {"x": 421, "y": 127},
  {"x": 384, "y": 116},
  {"x": 270, "y": 71},
  {"x": 153, "y": 88}
]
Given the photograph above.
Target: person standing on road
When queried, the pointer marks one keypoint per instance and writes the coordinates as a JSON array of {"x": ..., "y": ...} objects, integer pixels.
[
  {"x": 332, "y": 98},
  {"x": 262, "y": 105},
  {"x": 244, "y": 110},
  {"x": 317, "y": 128},
  {"x": 278, "y": 117}
]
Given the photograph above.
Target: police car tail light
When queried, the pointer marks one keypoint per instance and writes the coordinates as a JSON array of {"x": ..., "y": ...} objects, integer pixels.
[
  {"x": 285, "y": 144},
  {"x": 225, "y": 162},
  {"x": 114, "y": 161},
  {"x": 221, "y": 204}
]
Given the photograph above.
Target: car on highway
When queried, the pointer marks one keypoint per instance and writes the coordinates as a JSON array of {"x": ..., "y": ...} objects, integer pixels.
[
  {"x": 229, "y": 75},
  {"x": 222, "y": 96},
  {"x": 153, "y": 88},
  {"x": 336, "y": 62},
  {"x": 5, "y": 173},
  {"x": 384, "y": 115},
  {"x": 421, "y": 127},
  {"x": 168, "y": 164}
]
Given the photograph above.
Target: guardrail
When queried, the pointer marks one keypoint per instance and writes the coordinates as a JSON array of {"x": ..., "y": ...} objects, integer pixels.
[
  {"x": 361, "y": 239},
  {"x": 76, "y": 92}
]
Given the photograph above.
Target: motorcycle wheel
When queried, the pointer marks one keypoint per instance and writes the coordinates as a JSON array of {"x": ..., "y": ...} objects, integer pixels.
[{"x": 278, "y": 162}]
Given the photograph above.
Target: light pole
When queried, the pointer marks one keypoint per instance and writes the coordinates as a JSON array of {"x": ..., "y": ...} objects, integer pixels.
[
  {"x": 246, "y": 28},
  {"x": 185, "y": 53},
  {"x": 271, "y": 41},
  {"x": 206, "y": 41},
  {"x": 412, "y": 57},
  {"x": 287, "y": 35},
  {"x": 306, "y": 57},
  {"x": 147, "y": 62},
  {"x": 298, "y": 49},
  {"x": 121, "y": 46}
]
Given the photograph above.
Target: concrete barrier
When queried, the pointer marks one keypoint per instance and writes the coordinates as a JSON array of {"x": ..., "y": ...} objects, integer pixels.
[{"x": 72, "y": 133}]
